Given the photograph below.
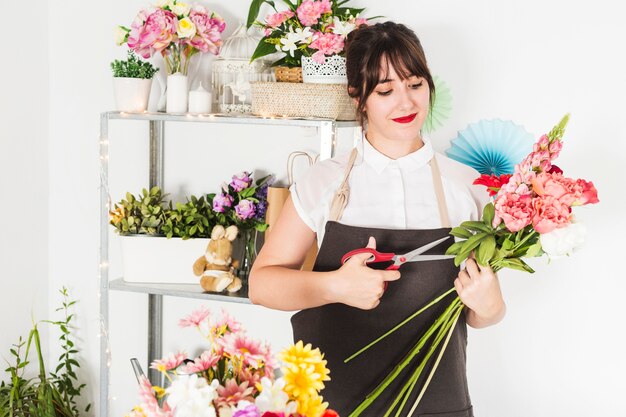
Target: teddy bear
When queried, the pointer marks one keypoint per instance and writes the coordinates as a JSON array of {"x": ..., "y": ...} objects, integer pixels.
[{"x": 216, "y": 267}]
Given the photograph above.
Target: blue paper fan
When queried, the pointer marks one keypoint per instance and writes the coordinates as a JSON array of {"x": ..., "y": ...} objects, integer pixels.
[
  {"x": 441, "y": 108},
  {"x": 491, "y": 146}
]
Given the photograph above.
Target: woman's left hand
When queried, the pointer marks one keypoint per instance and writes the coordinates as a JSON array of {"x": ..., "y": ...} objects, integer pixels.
[{"x": 479, "y": 289}]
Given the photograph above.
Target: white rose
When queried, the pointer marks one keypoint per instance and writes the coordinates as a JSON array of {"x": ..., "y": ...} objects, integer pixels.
[
  {"x": 120, "y": 34},
  {"x": 186, "y": 28},
  {"x": 564, "y": 241},
  {"x": 180, "y": 9}
]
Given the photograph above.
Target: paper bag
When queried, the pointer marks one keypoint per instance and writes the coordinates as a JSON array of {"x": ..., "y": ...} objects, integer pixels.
[{"x": 276, "y": 198}]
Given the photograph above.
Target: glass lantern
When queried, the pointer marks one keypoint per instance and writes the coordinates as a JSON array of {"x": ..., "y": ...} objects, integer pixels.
[{"x": 233, "y": 72}]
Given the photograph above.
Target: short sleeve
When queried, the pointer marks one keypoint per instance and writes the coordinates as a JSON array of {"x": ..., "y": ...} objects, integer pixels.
[{"x": 313, "y": 192}]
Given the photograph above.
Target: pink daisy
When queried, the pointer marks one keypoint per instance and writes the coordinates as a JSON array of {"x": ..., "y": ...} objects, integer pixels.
[
  {"x": 202, "y": 363},
  {"x": 249, "y": 351},
  {"x": 148, "y": 400},
  {"x": 195, "y": 318},
  {"x": 225, "y": 324},
  {"x": 232, "y": 393},
  {"x": 169, "y": 363}
]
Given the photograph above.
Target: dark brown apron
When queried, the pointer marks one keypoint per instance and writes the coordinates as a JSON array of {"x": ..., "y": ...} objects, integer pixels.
[{"x": 340, "y": 330}]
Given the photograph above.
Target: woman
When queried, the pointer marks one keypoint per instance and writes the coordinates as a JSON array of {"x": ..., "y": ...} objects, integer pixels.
[{"x": 392, "y": 192}]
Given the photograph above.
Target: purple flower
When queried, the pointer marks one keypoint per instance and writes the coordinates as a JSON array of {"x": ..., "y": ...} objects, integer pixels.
[
  {"x": 221, "y": 201},
  {"x": 261, "y": 208},
  {"x": 245, "y": 209},
  {"x": 261, "y": 192},
  {"x": 241, "y": 181},
  {"x": 250, "y": 410}
]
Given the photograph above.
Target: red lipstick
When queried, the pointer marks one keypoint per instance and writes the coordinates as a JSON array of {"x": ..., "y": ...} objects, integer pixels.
[{"x": 405, "y": 119}]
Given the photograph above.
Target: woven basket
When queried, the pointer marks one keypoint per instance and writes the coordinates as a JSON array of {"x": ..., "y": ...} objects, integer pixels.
[
  {"x": 330, "y": 101},
  {"x": 288, "y": 75}
]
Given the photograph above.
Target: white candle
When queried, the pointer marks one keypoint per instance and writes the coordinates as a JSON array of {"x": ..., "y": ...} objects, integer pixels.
[{"x": 199, "y": 100}]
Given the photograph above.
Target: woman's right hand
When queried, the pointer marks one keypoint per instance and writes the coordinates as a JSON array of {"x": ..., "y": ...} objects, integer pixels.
[{"x": 358, "y": 285}]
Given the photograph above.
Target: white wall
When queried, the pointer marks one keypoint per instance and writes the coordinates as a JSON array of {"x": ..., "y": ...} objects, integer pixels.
[
  {"x": 24, "y": 187},
  {"x": 558, "y": 352}
]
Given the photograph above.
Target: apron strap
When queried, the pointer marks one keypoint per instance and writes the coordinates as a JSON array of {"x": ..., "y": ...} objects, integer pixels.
[
  {"x": 340, "y": 200},
  {"x": 441, "y": 197}
]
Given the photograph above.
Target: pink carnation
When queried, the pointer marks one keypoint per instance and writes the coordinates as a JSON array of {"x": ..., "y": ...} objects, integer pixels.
[
  {"x": 310, "y": 11},
  {"x": 549, "y": 214},
  {"x": 514, "y": 209},
  {"x": 277, "y": 19},
  {"x": 326, "y": 44}
]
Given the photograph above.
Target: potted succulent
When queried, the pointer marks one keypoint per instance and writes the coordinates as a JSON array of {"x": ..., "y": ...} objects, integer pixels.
[
  {"x": 160, "y": 243},
  {"x": 132, "y": 80}
]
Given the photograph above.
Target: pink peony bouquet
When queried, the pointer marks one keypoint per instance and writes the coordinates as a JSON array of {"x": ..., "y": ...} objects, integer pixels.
[
  {"x": 315, "y": 28},
  {"x": 530, "y": 215},
  {"x": 174, "y": 29},
  {"x": 235, "y": 377}
]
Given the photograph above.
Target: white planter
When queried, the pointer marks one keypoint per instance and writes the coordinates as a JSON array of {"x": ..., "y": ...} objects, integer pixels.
[
  {"x": 177, "y": 92},
  {"x": 161, "y": 260},
  {"x": 131, "y": 94},
  {"x": 332, "y": 71}
]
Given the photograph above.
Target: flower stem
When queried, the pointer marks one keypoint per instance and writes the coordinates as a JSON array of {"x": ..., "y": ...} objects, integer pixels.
[
  {"x": 442, "y": 320},
  {"x": 405, "y": 321}
]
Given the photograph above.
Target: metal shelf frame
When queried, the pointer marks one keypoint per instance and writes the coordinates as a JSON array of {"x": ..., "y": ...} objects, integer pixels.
[{"x": 327, "y": 136}]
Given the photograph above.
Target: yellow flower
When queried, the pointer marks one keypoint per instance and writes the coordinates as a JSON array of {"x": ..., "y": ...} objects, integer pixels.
[
  {"x": 311, "y": 406},
  {"x": 304, "y": 369},
  {"x": 136, "y": 412}
]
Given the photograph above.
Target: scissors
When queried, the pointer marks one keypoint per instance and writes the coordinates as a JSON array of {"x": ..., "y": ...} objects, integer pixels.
[{"x": 398, "y": 260}]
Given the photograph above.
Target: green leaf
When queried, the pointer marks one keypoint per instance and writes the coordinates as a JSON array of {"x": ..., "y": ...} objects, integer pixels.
[
  {"x": 471, "y": 243},
  {"x": 264, "y": 48},
  {"x": 535, "y": 250},
  {"x": 485, "y": 250},
  {"x": 253, "y": 12},
  {"x": 489, "y": 213},
  {"x": 477, "y": 226},
  {"x": 455, "y": 248},
  {"x": 461, "y": 232}
]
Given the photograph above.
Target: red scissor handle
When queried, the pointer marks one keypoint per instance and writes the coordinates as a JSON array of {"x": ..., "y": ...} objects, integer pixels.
[{"x": 378, "y": 257}]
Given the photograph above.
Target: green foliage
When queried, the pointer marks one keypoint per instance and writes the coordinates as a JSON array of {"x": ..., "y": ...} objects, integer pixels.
[
  {"x": 496, "y": 247},
  {"x": 133, "y": 67},
  {"x": 152, "y": 215},
  {"x": 191, "y": 219},
  {"x": 47, "y": 395}
]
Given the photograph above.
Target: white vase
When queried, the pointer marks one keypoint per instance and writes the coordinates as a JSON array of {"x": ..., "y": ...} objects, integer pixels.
[
  {"x": 161, "y": 260},
  {"x": 131, "y": 94},
  {"x": 332, "y": 71},
  {"x": 177, "y": 93}
]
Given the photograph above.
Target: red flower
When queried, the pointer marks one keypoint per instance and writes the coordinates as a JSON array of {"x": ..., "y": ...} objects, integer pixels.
[
  {"x": 330, "y": 413},
  {"x": 492, "y": 182},
  {"x": 556, "y": 169}
]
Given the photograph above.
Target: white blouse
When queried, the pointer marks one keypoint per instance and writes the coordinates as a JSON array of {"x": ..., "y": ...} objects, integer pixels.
[{"x": 387, "y": 193}]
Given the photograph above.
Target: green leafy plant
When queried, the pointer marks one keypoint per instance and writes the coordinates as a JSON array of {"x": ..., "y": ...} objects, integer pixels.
[
  {"x": 150, "y": 214},
  {"x": 49, "y": 395},
  {"x": 133, "y": 67}
]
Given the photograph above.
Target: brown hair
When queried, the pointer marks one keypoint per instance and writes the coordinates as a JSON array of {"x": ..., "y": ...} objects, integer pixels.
[{"x": 368, "y": 46}]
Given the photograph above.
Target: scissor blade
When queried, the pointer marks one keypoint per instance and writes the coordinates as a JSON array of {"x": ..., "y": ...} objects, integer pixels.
[
  {"x": 419, "y": 258},
  {"x": 423, "y": 249}
]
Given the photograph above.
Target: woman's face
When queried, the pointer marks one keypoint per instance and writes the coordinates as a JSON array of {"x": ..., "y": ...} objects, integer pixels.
[{"x": 397, "y": 109}]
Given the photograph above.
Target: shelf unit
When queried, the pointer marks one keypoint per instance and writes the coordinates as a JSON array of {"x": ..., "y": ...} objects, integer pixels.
[{"x": 327, "y": 136}]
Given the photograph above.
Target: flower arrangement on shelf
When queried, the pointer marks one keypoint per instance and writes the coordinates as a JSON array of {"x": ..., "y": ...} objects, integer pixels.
[
  {"x": 174, "y": 29},
  {"x": 311, "y": 28},
  {"x": 235, "y": 377},
  {"x": 132, "y": 67},
  {"x": 530, "y": 215}
]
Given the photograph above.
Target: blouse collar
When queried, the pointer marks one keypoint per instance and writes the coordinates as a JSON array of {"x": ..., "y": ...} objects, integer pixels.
[{"x": 412, "y": 161}]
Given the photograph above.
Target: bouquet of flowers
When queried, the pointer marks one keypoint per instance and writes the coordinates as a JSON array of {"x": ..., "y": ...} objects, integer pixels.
[
  {"x": 174, "y": 29},
  {"x": 243, "y": 202},
  {"x": 235, "y": 377},
  {"x": 530, "y": 214},
  {"x": 312, "y": 28}
]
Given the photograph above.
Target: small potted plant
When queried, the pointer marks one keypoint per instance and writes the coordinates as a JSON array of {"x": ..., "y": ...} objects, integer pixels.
[
  {"x": 160, "y": 243},
  {"x": 132, "y": 80}
]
